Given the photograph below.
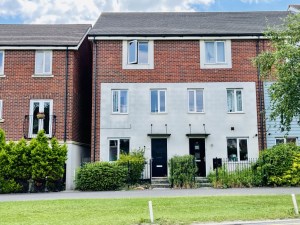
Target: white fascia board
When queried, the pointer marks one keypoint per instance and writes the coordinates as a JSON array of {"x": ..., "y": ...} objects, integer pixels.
[{"x": 176, "y": 38}]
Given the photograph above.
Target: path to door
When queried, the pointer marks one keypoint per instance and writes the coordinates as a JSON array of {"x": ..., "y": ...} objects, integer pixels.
[{"x": 149, "y": 193}]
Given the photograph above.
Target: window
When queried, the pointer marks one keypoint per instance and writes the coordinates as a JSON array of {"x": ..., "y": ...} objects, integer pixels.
[
  {"x": 286, "y": 140},
  {"x": 138, "y": 54},
  {"x": 43, "y": 62},
  {"x": 215, "y": 54},
  {"x": 120, "y": 101},
  {"x": 158, "y": 101},
  {"x": 237, "y": 149},
  {"x": 41, "y": 116},
  {"x": 117, "y": 146},
  {"x": 234, "y": 100},
  {"x": 1, "y": 62},
  {"x": 195, "y": 99},
  {"x": 1, "y": 110}
]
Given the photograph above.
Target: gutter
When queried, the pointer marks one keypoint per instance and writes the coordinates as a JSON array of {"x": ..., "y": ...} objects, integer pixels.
[
  {"x": 95, "y": 95},
  {"x": 66, "y": 94}
]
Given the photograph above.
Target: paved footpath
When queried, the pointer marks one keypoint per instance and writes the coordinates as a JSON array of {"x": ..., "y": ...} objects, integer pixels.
[
  {"x": 269, "y": 222},
  {"x": 148, "y": 193}
]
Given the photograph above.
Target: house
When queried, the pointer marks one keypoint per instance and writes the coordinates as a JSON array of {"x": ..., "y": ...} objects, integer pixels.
[
  {"x": 178, "y": 83},
  {"x": 45, "y": 83}
]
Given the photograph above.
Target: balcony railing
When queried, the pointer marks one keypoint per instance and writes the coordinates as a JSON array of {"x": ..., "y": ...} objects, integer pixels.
[{"x": 32, "y": 125}]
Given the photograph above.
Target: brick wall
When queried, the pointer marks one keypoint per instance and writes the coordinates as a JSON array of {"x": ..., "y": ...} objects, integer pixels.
[
  {"x": 19, "y": 87},
  {"x": 174, "y": 61}
]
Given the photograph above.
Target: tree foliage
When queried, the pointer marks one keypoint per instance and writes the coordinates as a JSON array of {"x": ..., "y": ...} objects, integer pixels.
[{"x": 282, "y": 62}]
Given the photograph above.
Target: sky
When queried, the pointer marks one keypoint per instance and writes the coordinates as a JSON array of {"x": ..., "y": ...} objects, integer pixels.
[{"x": 87, "y": 11}]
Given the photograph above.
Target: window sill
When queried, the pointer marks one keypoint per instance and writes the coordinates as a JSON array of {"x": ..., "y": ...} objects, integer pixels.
[
  {"x": 235, "y": 112},
  {"x": 158, "y": 113},
  {"x": 1, "y": 120},
  {"x": 2, "y": 75},
  {"x": 138, "y": 66},
  {"x": 119, "y": 113},
  {"x": 216, "y": 66},
  {"x": 196, "y": 112},
  {"x": 42, "y": 75}
]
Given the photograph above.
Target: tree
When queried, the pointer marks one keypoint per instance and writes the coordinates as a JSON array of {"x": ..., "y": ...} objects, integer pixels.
[{"x": 282, "y": 63}]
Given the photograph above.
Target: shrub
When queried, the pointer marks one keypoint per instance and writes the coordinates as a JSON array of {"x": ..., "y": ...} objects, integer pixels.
[
  {"x": 182, "y": 171},
  {"x": 100, "y": 176},
  {"x": 9, "y": 186},
  {"x": 230, "y": 179},
  {"x": 279, "y": 165},
  {"x": 134, "y": 162}
]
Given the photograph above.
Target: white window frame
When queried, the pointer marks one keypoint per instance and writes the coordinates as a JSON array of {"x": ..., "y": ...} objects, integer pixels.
[
  {"x": 222, "y": 65},
  {"x": 3, "y": 57},
  {"x": 119, "y": 101},
  {"x": 235, "y": 100},
  {"x": 1, "y": 111},
  {"x": 158, "y": 101},
  {"x": 134, "y": 64},
  {"x": 118, "y": 146},
  {"x": 195, "y": 100},
  {"x": 41, "y": 122},
  {"x": 285, "y": 139},
  {"x": 43, "y": 73},
  {"x": 238, "y": 148}
]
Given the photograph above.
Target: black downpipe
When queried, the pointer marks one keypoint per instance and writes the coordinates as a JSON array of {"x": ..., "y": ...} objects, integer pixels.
[
  {"x": 95, "y": 95},
  {"x": 260, "y": 90},
  {"x": 66, "y": 94}
]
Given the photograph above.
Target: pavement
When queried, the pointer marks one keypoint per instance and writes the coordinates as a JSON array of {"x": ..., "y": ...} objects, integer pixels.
[{"x": 156, "y": 193}]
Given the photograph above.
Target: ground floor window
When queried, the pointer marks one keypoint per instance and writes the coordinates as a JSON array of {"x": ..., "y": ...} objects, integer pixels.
[
  {"x": 237, "y": 149},
  {"x": 286, "y": 140},
  {"x": 117, "y": 146},
  {"x": 40, "y": 118}
]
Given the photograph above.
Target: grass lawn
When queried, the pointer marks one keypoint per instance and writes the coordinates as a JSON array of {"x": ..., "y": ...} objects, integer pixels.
[{"x": 177, "y": 210}]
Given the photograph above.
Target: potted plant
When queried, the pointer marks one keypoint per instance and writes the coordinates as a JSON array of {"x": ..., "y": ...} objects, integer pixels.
[{"x": 40, "y": 115}]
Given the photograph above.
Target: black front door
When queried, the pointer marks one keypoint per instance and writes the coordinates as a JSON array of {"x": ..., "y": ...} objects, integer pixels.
[
  {"x": 197, "y": 149},
  {"x": 159, "y": 157}
]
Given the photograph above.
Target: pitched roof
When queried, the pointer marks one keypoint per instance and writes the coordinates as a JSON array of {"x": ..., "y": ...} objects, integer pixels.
[
  {"x": 42, "y": 35},
  {"x": 186, "y": 24}
]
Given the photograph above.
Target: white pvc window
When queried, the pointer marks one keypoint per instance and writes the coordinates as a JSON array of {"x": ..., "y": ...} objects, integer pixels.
[
  {"x": 43, "y": 62},
  {"x": 286, "y": 140},
  {"x": 215, "y": 52},
  {"x": 40, "y": 117},
  {"x": 158, "y": 101},
  {"x": 234, "y": 100},
  {"x": 138, "y": 52},
  {"x": 237, "y": 149},
  {"x": 1, "y": 62},
  {"x": 120, "y": 101},
  {"x": 1, "y": 109},
  {"x": 116, "y": 147},
  {"x": 195, "y": 101}
]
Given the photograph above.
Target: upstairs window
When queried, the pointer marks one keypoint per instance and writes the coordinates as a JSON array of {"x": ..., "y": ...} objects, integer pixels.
[
  {"x": 158, "y": 101},
  {"x": 138, "y": 54},
  {"x": 234, "y": 100},
  {"x": 43, "y": 62},
  {"x": 120, "y": 101},
  {"x": 215, "y": 54},
  {"x": 1, "y": 62},
  {"x": 195, "y": 98},
  {"x": 1, "y": 110}
]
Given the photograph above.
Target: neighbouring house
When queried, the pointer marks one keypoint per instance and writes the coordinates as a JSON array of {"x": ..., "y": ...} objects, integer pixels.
[
  {"x": 179, "y": 83},
  {"x": 45, "y": 83}
]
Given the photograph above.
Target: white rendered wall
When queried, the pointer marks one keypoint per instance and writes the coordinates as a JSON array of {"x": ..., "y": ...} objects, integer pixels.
[
  {"x": 137, "y": 123},
  {"x": 77, "y": 154}
]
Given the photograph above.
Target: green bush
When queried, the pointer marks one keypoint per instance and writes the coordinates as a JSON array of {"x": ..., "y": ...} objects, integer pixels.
[
  {"x": 279, "y": 165},
  {"x": 134, "y": 162},
  {"x": 100, "y": 176},
  {"x": 9, "y": 186},
  {"x": 182, "y": 171},
  {"x": 37, "y": 160},
  {"x": 230, "y": 179}
]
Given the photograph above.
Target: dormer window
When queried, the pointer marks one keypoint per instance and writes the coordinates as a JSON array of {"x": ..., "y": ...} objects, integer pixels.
[{"x": 138, "y": 54}]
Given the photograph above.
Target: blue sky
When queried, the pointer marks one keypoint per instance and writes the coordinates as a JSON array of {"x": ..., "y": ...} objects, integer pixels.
[{"x": 87, "y": 11}]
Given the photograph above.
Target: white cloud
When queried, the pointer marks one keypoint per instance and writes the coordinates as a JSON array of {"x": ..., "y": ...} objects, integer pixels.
[
  {"x": 256, "y": 1},
  {"x": 87, "y": 11}
]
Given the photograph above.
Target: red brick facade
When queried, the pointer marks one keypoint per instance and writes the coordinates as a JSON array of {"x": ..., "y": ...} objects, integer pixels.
[
  {"x": 174, "y": 62},
  {"x": 18, "y": 87}
]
